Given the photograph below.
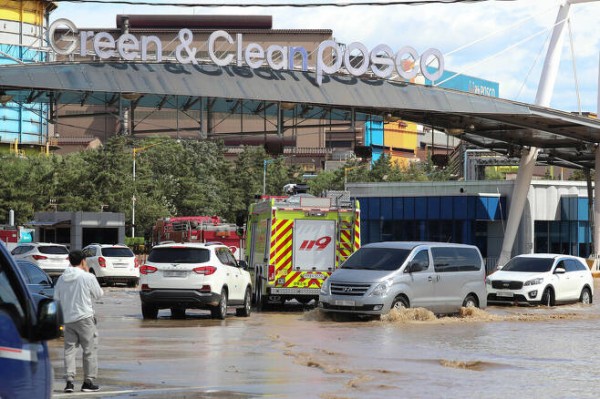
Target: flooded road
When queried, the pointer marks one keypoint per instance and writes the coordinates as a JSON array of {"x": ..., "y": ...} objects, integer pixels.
[{"x": 532, "y": 352}]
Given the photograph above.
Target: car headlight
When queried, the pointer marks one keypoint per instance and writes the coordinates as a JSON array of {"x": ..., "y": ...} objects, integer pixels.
[
  {"x": 488, "y": 281},
  {"x": 325, "y": 288},
  {"x": 535, "y": 281},
  {"x": 381, "y": 289}
]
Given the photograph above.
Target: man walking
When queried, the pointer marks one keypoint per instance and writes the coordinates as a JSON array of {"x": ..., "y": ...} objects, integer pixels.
[{"x": 75, "y": 290}]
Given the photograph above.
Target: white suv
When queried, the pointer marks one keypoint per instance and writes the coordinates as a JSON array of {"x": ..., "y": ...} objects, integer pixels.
[
  {"x": 52, "y": 258},
  {"x": 112, "y": 264},
  {"x": 546, "y": 279},
  {"x": 194, "y": 275}
]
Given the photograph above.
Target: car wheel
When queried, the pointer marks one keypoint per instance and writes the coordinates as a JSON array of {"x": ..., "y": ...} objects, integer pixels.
[
  {"x": 178, "y": 313},
  {"x": 247, "y": 309},
  {"x": 149, "y": 311},
  {"x": 548, "y": 297},
  {"x": 470, "y": 302},
  {"x": 400, "y": 303},
  {"x": 220, "y": 311},
  {"x": 586, "y": 296}
]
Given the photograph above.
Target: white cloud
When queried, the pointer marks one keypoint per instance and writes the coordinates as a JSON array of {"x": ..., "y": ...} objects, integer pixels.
[{"x": 444, "y": 26}]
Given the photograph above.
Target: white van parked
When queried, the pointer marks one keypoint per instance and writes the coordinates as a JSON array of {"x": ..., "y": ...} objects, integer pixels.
[{"x": 441, "y": 277}]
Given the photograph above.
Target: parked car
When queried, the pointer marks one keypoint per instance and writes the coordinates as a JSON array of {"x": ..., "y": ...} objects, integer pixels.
[
  {"x": 547, "y": 279},
  {"x": 27, "y": 321},
  {"x": 38, "y": 281},
  {"x": 52, "y": 258},
  {"x": 112, "y": 264},
  {"x": 442, "y": 277},
  {"x": 194, "y": 275}
]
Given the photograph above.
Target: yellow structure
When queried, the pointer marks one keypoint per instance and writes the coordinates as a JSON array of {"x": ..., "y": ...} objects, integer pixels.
[
  {"x": 400, "y": 140},
  {"x": 25, "y": 11}
]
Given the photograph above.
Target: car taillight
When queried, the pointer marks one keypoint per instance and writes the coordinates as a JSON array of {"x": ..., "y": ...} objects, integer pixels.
[
  {"x": 206, "y": 270},
  {"x": 147, "y": 269},
  {"x": 39, "y": 257},
  {"x": 102, "y": 262},
  {"x": 136, "y": 263},
  {"x": 145, "y": 287},
  {"x": 271, "y": 272}
]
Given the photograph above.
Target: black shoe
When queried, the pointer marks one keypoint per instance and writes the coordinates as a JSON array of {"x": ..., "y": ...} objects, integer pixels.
[
  {"x": 89, "y": 386},
  {"x": 70, "y": 387}
]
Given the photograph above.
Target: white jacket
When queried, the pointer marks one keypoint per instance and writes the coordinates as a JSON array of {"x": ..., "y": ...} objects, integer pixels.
[{"x": 75, "y": 290}]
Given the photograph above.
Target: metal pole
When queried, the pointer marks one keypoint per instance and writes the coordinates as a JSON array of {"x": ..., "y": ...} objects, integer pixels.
[
  {"x": 133, "y": 200},
  {"x": 264, "y": 177}
]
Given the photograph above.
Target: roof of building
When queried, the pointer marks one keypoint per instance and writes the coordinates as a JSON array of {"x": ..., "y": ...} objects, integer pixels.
[{"x": 504, "y": 126}]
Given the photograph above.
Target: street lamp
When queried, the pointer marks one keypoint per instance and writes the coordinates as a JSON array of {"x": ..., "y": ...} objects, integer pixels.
[{"x": 265, "y": 163}]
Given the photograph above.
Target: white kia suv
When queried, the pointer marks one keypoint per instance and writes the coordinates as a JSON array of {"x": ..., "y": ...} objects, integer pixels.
[
  {"x": 547, "y": 279},
  {"x": 194, "y": 275},
  {"x": 112, "y": 264},
  {"x": 51, "y": 258}
]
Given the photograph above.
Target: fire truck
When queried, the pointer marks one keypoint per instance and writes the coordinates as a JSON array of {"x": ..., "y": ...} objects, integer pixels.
[
  {"x": 198, "y": 229},
  {"x": 293, "y": 244}
]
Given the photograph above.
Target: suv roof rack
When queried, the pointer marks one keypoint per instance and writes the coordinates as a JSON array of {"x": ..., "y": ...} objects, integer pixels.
[{"x": 213, "y": 243}]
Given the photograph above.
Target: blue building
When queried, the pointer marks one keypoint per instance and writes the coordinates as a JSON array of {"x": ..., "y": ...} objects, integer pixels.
[{"x": 474, "y": 212}]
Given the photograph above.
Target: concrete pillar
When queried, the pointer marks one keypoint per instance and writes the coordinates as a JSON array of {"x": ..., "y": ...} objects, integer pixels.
[
  {"x": 528, "y": 158},
  {"x": 517, "y": 203},
  {"x": 596, "y": 221}
]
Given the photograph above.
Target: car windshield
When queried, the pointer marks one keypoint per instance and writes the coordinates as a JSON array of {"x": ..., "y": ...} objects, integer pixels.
[
  {"x": 376, "y": 259},
  {"x": 179, "y": 255},
  {"x": 53, "y": 250},
  {"x": 117, "y": 252},
  {"x": 32, "y": 274},
  {"x": 529, "y": 265}
]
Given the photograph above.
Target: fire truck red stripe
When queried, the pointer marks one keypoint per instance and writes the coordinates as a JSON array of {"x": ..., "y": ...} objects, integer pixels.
[
  {"x": 281, "y": 246},
  {"x": 283, "y": 257},
  {"x": 290, "y": 278},
  {"x": 281, "y": 232}
]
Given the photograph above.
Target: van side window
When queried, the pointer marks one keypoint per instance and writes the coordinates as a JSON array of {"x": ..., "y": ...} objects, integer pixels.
[
  {"x": 454, "y": 259},
  {"x": 422, "y": 258}
]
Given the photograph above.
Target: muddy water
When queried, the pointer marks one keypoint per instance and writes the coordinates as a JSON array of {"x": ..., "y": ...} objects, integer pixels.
[{"x": 499, "y": 353}]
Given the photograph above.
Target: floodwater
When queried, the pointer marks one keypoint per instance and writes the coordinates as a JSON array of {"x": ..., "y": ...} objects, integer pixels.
[{"x": 499, "y": 352}]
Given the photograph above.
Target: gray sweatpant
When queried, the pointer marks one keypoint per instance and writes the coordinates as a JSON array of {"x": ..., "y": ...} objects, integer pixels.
[{"x": 82, "y": 332}]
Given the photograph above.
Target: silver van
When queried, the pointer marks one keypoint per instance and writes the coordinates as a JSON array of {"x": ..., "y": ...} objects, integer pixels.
[{"x": 441, "y": 277}]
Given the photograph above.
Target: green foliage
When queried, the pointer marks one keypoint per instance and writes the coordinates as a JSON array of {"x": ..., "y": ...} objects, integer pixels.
[
  {"x": 581, "y": 175},
  {"x": 494, "y": 174},
  {"x": 172, "y": 177}
]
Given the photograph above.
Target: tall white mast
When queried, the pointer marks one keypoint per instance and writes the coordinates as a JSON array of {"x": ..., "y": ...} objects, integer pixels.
[{"x": 528, "y": 157}]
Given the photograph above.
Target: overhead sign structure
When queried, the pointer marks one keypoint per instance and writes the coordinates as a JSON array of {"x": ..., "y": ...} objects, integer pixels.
[{"x": 382, "y": 61}]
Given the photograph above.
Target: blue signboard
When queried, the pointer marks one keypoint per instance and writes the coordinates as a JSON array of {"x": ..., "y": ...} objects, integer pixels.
[{"x": 467, "y": 83}]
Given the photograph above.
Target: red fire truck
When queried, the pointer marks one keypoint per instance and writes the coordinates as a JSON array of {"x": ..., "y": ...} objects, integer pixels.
[{"x": 198, "y": 229}]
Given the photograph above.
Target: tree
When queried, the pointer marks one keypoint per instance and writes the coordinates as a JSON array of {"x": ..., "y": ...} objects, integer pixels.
[{"x": 247, "y": 178}]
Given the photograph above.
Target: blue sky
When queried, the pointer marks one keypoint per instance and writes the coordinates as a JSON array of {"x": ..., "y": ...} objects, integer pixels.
[{"x": 502, "y": 41}]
